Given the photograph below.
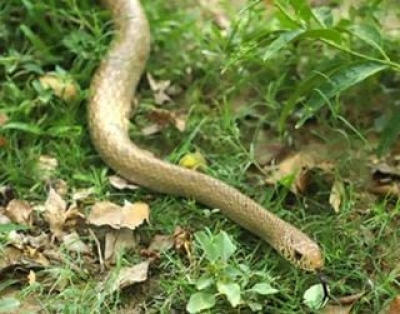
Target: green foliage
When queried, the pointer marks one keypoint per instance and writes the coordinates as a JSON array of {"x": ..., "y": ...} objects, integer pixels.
[
  {"x": 223, "y": 278},
  {"x": 339, "y": 52}
]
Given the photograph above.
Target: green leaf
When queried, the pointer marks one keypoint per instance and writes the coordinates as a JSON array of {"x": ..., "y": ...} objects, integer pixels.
[
  {"x": 390, "y": 132},
  {"x": 12, "y": 227},
  {"x": 370, "y": 35},
  {"x": 231, "y": 291},
  {"x": 225, "y": 246},
  {"x": 204, "y": 282},
  {"x": 200, "y": 301},
  {"x": 35, "y": 40},
  {"x": 276, "y": 45},
  {"x": 302, "y": 9},
  {"x": 24, "y": 127},
  {"x": 323, "y": 15},
  {"x": 254, "y": 306},
  {"x": 346, "y": 76},
  {"x": 8, "y": 304},
  {"x": 319, "y": 34},
  {"x": 263, "y": 289},
  {"x": 205, "y": 240},
  {"x": 314, "y": 297}
]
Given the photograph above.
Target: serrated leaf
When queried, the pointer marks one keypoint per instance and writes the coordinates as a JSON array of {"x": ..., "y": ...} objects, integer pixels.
[
  {"x": 264, "y": 289},
  {"x": 231, "y": 291},
  {"x": 345, "y": 77},
  {"x": 314, "y": 297},
  {"x": 200, "y": 301},
  {"x": 204, "y": 282}
]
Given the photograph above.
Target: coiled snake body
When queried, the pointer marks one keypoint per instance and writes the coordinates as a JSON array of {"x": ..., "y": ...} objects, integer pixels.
[{"x": 109, "y": 108}]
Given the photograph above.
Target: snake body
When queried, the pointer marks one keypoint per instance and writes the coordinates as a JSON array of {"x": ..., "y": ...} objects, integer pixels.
[{"x": 109, "y": 108}]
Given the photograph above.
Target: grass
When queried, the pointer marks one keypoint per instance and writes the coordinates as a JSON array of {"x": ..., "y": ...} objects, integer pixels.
[{"x": 214, "y": 72}]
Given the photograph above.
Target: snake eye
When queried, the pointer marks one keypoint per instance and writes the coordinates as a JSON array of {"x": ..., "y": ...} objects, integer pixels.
[{"x": 297, "y": 255}]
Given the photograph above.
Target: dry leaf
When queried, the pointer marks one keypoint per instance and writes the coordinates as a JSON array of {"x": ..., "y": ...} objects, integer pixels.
[
  {"x": 3, "y": 141},
  {"x": 82, "y": 194},
  {"x": 131, "y": 275},
  {"x": 294, "y": 165},
  {"x": 46, "y": 167},
  {"x": 337, "y": 309},
  {"x": 73, "y": 243},
  {"x": 63, "y": 87},
  {"x": 55, "y": 213},
  {"x": 31, "y": 277},
  {"x": 121, "y": 184},
  {"x": 194, "y": 161},
  {"x": 151, "y": 129},
  {"x": 393, "y": 307},
  {"x": 335, "y": 198},
  {"x": 159, "y": 89},
  {"x": 19, "y": 212},
  {"x": 344, "y": 304},
  {"x": 3, "y": 118},
  {"x": 60, "y": 186},
  {"x": 164, "y": 117},
  {"x": 117, "y": 241},
  {"x": 129, "y": 216},
  {"x": 183, "y": 241}
]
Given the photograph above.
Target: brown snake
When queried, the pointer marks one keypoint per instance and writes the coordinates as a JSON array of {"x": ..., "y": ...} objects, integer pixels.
[{"x": 112, "y": 90}]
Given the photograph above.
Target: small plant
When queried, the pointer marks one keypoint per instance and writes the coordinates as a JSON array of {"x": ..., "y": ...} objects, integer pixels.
[{"x": 223, "y": 278}]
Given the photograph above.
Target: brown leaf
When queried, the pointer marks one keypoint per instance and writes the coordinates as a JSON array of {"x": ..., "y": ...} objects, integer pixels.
[
  {"x": 159, "y": 89},
  {"x": 63, "y": 87},
  {"x": 82, "y": 194},
  {"x": 335, "y": 198},
  {"x": 131, "y": 275},
  {"x": 164, "y": 117},
  {"x": 294, "y": 165},
  {"x": 129, "y": 216},
  {"x": 73, "y": 243},
  {"x": 116, "y": 241},
  {"x": 55, "y": 213},
  {"x": 46, "y": 167},
  {"x": 121, "y": 184},
  {"x": 3, "y": 118},
  {"x": 19, "y": 212},
  {"x": 337, "y": 309},
  {"x": 393, "y": 307}
]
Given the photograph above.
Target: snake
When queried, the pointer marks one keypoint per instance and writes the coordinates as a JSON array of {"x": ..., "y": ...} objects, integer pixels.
[{"x": 112, "y": 90}]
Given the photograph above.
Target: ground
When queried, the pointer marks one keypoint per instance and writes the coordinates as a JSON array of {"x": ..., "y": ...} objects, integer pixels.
[{"x": 209, "y": 88}]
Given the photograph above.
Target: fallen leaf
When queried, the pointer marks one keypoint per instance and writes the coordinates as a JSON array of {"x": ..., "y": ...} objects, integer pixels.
[
  {"x": 164, "y": 117},
  {"x": 46, "y": 167},
  {"x": 31, "y": 277},
  {"x": 151, "y": 129},
  {"x": 393, "y": 307},
  {"x": 336, "y": 309},
  {"x": 60, "y": 186},
  {"x": 183, "y": 241},
  {"x": 19, "y": 212},
  {"x": 73, "y": 243},
  {"x": 62, "y": 86},
  {"x": 128, "y": 276},
  {"x": 55, "y": 212},
  {"x": 129, "y": 216},
  {"x": 3, "y": 118},
  {"x": 117, "y": 241},
  {"x": 121, "y": 184},
  {"x": 82, "y": 194},
  {"x": 295, "y": 168},
  {"x": 159, "y": 89},
  {"x": 335, "y": 198},
  {"x": 194, "y": 161}
]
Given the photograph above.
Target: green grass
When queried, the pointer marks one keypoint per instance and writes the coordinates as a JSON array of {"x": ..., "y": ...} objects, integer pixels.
[{"x": 71, "y": 36}]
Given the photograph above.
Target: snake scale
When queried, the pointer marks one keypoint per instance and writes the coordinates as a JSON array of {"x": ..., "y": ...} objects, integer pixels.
[{"x": 112, "y": 89}]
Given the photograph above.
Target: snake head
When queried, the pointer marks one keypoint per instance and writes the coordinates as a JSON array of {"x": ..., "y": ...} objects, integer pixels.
[{"x": 302, "y": 252}]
